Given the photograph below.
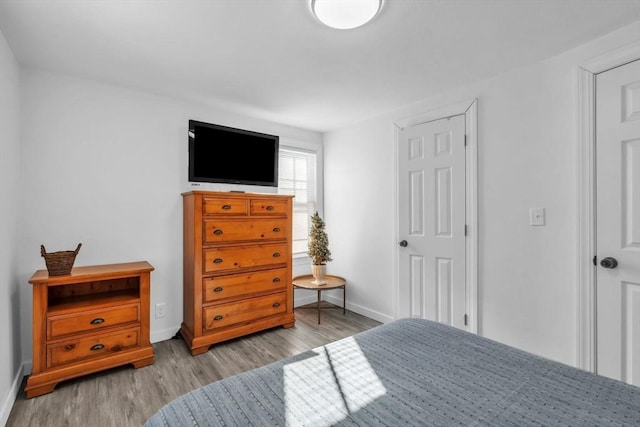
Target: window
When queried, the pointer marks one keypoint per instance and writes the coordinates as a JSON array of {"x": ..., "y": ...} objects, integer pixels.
[{"x": 297, "y": 176}]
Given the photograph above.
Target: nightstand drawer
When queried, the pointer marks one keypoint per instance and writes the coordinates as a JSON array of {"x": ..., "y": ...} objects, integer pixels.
[
  {"x": 244, "y": 311},
  {"x": 66, "y": 324},
  {"x": 223, "y": 287},
  {"x": 268, "y": 207},
  {"x": 221, "y": 230},
  {"x": 237, "y": 257},
  {"x": 222, "y": 206},
  {"x": 91, "y": 347}
]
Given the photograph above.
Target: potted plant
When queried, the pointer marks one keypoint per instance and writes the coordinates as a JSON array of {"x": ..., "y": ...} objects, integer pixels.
[{"x": 318, "y": 249}]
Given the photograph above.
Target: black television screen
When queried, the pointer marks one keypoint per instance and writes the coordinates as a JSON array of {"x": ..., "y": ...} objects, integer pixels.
[{"x": 222, "y": 154}]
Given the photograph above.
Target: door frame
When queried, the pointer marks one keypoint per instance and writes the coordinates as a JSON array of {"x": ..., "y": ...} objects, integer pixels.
[
  {"x": 468, "y": 108},
  {"x": 586, "y": 351}
]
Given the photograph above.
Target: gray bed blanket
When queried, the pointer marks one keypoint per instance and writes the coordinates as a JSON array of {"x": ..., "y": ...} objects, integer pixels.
[{"x": 409, "y": 372}]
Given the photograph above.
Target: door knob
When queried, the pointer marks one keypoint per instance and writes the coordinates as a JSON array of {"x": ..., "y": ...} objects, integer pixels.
[
  {"x": 609, "y": 262},
  {"x": 403, "y": 243}
]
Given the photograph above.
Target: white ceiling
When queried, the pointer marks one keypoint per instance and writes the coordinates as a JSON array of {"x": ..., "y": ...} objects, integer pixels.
[{"x": 271, "y": 59}]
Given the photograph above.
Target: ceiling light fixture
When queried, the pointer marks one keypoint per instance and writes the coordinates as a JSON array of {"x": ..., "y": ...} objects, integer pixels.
[{"x": 345, "y": 14}]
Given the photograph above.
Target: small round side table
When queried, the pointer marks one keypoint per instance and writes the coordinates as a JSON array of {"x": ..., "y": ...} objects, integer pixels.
[{"x": 333, "y": 282}]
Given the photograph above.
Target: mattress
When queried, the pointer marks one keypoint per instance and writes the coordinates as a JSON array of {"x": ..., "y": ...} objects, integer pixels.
[{"x": 409, "y": 372}]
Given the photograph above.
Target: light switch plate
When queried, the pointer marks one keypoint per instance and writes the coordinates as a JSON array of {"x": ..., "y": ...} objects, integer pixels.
[{"x": 536, "y": 216}]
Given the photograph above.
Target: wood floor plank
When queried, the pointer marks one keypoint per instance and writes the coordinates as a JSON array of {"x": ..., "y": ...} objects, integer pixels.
[{"x": 128, "y": 397}]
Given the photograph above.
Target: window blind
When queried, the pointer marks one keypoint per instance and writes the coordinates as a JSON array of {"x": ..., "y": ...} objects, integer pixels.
[{"x": 297, "y": 177}]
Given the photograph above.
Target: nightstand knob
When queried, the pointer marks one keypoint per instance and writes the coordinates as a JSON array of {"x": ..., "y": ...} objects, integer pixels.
[
  {"x": 276, "y": 280},
  {"x": 226, "y": 207},
  {"x": 218, "y": 317},
  {"x": 218, "y": 232},
  {"x": 97, "y": 347},
  {"x": 217, "y": 261},
  {"x": 276, "y": 254},
  {"x": 270, "y": 208},
  {"x": 276, "y": 229},
  {"x": 218, "y": 289},
  {"x": 97, "y": 321},
  {"x": 276, "y": 305}
]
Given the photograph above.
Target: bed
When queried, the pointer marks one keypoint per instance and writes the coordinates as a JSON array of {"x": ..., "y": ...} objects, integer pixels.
[{"x": 408, "y": 372}]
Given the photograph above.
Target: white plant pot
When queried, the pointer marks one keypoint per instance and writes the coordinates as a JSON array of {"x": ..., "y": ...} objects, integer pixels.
[{"x": 319, "y": 273}]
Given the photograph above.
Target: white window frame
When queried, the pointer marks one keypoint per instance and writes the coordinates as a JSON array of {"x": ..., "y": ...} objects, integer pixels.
[{"x": 302, "y": 258}]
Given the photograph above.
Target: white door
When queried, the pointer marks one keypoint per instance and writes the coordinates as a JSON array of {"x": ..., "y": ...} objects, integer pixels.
[
  {"x": 618, "y": 223},
  {"x": 431, "y": 168}
]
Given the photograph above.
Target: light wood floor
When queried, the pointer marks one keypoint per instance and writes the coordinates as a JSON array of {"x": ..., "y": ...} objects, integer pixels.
[{"x": 128, "y": 397}]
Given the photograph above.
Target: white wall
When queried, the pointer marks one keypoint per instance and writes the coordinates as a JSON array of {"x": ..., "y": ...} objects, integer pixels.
[
  {"x": 527, "y": 158},
  {"x": 105, "y": 166},
  {"x": 10, "y": 356},
  {"x": 359, "y": 208}
]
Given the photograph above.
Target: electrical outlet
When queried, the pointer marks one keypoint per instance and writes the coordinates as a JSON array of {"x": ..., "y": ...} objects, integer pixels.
[
  {"x": 160, "y": 307},
  {"x": 536, "y": 216}
]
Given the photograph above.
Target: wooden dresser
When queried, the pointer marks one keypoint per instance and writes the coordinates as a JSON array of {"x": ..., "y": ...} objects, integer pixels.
[
  {"x": 95, "y": 318},
  {"x": 237, "y": 266}
]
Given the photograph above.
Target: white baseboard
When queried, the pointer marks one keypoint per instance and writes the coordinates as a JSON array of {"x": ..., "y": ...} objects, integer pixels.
[
  {"x": 359, "y": 309},
  {"x": 163, "y": 334},
  {"x": 7, "y": 405}
]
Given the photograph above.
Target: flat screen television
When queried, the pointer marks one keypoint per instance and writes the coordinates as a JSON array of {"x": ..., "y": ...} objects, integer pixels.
[{"x": 221, "y": 154}]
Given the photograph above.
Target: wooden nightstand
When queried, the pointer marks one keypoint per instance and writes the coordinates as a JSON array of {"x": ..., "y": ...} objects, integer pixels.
[
  {"x": 92, "y": 319},
  {"x": 333, "y": 282}
]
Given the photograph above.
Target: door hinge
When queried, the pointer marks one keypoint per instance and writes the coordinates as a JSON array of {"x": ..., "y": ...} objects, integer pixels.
[
  {"x": 465, "y": 139},
  {"x": 466, "y": 320},
  {"x": 595, "y": 260},
  {"x": 466, "y": 229}
]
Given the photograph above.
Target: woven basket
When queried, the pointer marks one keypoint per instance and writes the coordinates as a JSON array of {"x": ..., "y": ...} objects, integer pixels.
[{"x": 59, "y": 263}]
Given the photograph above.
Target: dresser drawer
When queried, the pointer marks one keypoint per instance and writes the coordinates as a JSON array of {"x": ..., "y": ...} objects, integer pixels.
[
  {"x": 236, "y": 257},
  {"x": 237, "y": 285},
  {"x": 244, "y": 311},
  {"x": 91, "y": 347},
  {"x": 221, "y": 230},
  {"x": 268, "y": 207},
  {"x": 222, "y": 206},
  {"x": 65, "y": 324}
]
